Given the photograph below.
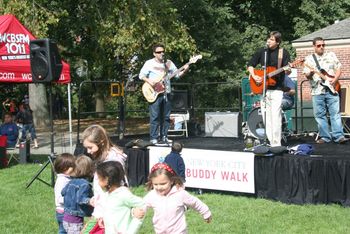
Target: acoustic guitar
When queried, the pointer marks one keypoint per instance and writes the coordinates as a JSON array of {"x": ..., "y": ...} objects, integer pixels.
[
  {"x": 334, "y": 89},
  {"x": 151, "y": 92},
  {"x": 257, "y": 88}
]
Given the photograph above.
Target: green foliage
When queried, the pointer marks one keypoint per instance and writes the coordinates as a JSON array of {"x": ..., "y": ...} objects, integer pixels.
[
  {"x": 111, "y": 39},
  {"x": 315, "y": 15}
]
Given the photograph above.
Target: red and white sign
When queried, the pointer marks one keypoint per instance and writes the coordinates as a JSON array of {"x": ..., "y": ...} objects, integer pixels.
[
  {"x": 212, "y": 169},
  {"x": 15, "y": 53}
]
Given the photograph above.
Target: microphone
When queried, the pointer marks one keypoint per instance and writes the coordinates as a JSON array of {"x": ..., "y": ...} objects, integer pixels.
[{"x": 266, "y": 45}]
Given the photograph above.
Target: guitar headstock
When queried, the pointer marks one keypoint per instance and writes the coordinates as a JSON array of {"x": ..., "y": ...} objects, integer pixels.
[
  {"x": 296, "y": 63},
  {"x": 194, "y": 59}
]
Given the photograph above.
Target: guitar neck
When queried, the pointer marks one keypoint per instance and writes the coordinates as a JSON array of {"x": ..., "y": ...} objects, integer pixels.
[
  {"x": 278, "y": 71},
  {"x": 178, "y": 71}
]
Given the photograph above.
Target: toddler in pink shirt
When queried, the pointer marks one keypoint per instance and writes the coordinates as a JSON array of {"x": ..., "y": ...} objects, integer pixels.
[{"x": 169, "y": 200}]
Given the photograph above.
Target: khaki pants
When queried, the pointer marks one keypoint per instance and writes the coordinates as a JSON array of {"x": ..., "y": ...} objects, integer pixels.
[{"x": 273, "y": 121}]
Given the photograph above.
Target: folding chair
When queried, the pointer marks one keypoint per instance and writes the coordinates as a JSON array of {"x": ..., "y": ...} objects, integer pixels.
[
  {"x": 12, "y": 152},
  {"x": 180, "y": 124}
]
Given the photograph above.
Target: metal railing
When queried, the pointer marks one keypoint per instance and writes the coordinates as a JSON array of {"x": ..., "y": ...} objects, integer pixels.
[{"x": 197, "y": 100}]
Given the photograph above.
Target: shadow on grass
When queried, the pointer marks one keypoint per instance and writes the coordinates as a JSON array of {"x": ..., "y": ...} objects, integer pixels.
[{"x": 35, "y": 158}]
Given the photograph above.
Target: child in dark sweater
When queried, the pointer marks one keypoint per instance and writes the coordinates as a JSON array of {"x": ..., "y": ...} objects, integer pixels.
[{"x": 175, "y": 161}]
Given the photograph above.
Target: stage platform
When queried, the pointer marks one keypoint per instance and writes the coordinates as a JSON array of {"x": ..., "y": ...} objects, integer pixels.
[
  {"x": 322, "y": 178},
  {"x": 237, "y": 144}
]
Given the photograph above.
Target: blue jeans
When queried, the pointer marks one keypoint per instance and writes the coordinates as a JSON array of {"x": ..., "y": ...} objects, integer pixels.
[
  {"x": 30, "y": 128},
  {"x": 287, "y": 104},
  {"x": 159, "y": 120},
  {"x": 59, "y": 218},
  {"x": 322, "y": 103}
]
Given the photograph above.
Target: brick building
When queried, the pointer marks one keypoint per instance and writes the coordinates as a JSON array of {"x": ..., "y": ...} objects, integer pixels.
[{"x": 337, "y": 39}]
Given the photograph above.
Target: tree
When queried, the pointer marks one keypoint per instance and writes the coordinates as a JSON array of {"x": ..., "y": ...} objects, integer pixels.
[
  {"x": 318, "y": 14},
  {"x": 103, "y": 32}
]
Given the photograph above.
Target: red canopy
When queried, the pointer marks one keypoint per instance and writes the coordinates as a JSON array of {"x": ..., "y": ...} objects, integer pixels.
[{"x": 14, "y": 53}]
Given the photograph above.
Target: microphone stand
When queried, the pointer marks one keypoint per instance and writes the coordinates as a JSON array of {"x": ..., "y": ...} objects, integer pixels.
[
  {"x": 161, "y": 125},
  {"x": 264, "y": 92}
]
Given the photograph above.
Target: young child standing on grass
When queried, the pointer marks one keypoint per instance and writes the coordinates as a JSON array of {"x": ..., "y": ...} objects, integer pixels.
[
  {"x": 77, "y": 195},
  {"x": 101, "y": 149},
  {"x": 175, "y": 161},
  {"x": 118, "y": 202},
  {"x": 64, "y": 165},
  {"x": 169, "y": 199}
]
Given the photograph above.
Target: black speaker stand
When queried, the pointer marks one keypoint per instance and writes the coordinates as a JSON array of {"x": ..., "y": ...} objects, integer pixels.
[{"x": 52, "y": 156}]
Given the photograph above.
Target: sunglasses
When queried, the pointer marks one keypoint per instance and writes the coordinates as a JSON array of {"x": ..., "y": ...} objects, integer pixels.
[
  {"x": 318, "y": 46},
  {"x": 159, "y": 52}
]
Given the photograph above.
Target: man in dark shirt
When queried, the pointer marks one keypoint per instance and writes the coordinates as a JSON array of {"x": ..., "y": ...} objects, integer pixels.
[
  {"x": 271, "y": 103},
  {"x": 25, "y": 117}
]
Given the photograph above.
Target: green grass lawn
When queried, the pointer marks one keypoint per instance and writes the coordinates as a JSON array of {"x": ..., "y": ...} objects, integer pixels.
[{"x": 32, "y": 210}]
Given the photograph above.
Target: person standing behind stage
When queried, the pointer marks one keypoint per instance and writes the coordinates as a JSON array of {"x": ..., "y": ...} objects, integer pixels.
[
  {"x": 150, "y": 72},
  {"x": 175, "y": 161},
  {"x": 322, "y": 98},
  {"x": 274, "y": 94}
]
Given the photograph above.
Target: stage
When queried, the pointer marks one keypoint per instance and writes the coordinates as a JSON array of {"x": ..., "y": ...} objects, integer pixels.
[{"x": 323, "y": 177}]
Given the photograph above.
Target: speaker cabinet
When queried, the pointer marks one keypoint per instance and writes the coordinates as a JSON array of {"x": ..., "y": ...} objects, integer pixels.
[
  {"x": 179, "y": 100},
  {"x": 223, "y": 124},
  {"x": 45, "y": 61}
]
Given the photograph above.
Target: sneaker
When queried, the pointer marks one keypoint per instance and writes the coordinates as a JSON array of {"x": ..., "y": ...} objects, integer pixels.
[
  {"x": 154, "y": 141},
  {"x": 321, "y": 141},
  {"x": 166, "y": 140},
  {"x": 342, "y": 140}
]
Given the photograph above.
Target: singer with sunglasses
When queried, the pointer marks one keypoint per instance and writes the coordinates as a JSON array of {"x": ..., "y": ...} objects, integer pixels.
[
  {"x": 276, "y": 58},
  {"x": 160, "y": 109},
  {"x": 323, "y": 69}
]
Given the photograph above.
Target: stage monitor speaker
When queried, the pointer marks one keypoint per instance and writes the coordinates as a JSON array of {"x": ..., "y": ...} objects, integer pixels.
[
  {"x": 345, "y": 100},
  {"x": 179, "y": 100},
  {"x": 223, "y": 124},
  {"x": 45, "y": 61}
]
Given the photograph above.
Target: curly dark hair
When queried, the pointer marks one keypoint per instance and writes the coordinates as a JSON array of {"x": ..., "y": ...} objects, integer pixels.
[{"x": 112, "y": 171}]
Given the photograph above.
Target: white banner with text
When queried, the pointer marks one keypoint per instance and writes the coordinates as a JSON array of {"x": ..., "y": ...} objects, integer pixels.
[{"x": 213, "y": 169}]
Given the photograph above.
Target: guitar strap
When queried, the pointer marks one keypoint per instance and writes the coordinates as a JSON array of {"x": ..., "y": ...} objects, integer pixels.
[
  {"x": 316, "y": 61},
  {"x": 280, "y": 56},
  {"x": 166, "y": 70}
]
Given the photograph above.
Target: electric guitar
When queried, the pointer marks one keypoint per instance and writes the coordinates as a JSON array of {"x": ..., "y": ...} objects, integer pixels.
[
  {"x": 334, "y": 89},
  {"x": 257, "y": 88},
  {"x": 151, "y": 92}
]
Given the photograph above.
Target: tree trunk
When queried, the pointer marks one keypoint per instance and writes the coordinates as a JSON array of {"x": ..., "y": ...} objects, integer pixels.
[
  {"x": 39, "y": 104},
  {"x": 100, "y": 104}
]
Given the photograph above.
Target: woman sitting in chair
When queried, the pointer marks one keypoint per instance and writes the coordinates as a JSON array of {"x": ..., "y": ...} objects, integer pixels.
[{"x": 9, "y": 129}]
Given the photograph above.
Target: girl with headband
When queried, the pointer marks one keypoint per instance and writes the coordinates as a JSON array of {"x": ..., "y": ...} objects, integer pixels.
[{"x": 169, "y": 200}]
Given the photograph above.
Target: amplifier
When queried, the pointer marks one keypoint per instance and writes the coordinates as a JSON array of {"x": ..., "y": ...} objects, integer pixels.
[
  {"x": 223, "y": 124},
  {"x": 345, "y": 100}
]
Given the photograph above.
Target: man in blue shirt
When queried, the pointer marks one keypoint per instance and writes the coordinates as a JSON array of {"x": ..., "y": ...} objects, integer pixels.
[
  {"x": 9, "y": 129},
  {"x": 288, "y": 93}
]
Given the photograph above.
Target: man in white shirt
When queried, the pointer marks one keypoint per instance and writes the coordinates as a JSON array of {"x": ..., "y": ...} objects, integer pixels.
[{"x": 154, "y": 68}]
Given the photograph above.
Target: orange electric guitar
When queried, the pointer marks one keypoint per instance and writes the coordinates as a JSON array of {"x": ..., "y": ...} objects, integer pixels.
[{"x": 257, "y": 88}]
